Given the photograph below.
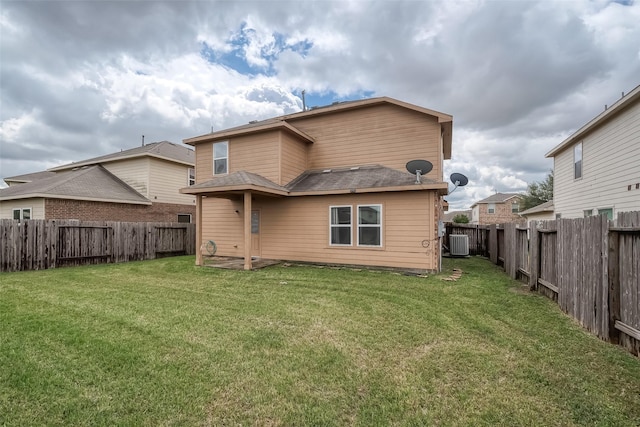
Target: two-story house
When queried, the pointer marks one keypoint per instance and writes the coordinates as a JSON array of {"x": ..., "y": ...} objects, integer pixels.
[
  {"x": 497, "y": 209},
  {"x": 597, "y": 169},
  {"x": 139, "y": 184},
  {"x": 327, "y": 185}
]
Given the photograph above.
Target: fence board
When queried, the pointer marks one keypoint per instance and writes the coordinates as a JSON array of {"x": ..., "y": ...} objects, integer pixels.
[
  {"x": 629, "y": 280},
  {"x": 478, "y": 237},
  {"x": 42, "y": 244},
  {"x": 589, "y": 266}
]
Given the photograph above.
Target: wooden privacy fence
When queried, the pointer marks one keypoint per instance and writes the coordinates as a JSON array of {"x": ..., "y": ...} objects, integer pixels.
[
  {"x": 478, "y": 237},
  {"x": 589, "y": 266},
  {"x": 42, "y": 244}
]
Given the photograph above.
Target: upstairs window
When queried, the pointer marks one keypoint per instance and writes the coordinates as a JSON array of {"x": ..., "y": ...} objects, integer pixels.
[
  {"x": 370, "y": 225},
  {"x": 515, "y": 207},
  {"x": 191, "y": 176},
  {"x": 577, "y": 161},
  {"x": 491, "y": 208},
  {"x": 220, "y": 158},
  {"x": 340, "y": 233}
]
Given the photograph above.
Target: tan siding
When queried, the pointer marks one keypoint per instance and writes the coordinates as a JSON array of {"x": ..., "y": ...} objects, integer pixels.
[
  {"x": 134, "y": 172},
  {"x": 257, "y": 154},
  {"x": 611, "y": 156},
  {"x": 297, "y": 228},
  {"x": 386, "y": 135},
  {"x": 36, "y": 205},
  {"x": 204, "y": 162},
  {"x": 165, "y": 179},
  {"x": 293, "y": 160},
  {"x": 223, "y": 225}
]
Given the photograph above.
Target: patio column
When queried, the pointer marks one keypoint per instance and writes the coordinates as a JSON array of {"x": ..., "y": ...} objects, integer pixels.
[
  {"x": 198, "y": 230},
  {"x": 247, "y": 230}
]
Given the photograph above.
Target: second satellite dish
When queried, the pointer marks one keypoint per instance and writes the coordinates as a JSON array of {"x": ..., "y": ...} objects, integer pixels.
[
  {"x": 458, "y": 180},
  {"x": 419, "y": 168}
]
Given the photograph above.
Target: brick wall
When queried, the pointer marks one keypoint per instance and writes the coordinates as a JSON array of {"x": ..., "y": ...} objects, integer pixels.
[
  {"x": 100, "y": 211},
  {"x": 502, "y": 214}
]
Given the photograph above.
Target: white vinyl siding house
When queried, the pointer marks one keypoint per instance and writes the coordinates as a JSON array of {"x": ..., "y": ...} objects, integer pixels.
[
  {"x": 36, "y": 205},
  {"x": 609, "y": 181}
]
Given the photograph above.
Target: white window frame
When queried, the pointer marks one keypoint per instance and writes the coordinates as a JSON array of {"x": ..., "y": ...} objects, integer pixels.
[
  {"x": 332, "y": 226},
  {"x": 491, "y": 208},
  {"x": 602, "y": 211},
  {"x": 191, "y": 181},
  {"x": 578, "y": 148},
  {"x": 21, "y": 213},
  {"x": 220, "y": 158},
  {"x": 379, "y": 226},
  {"x": 517, "y": 205}
]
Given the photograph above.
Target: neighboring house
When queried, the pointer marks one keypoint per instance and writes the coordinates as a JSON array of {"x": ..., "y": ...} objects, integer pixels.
[
  {"x": 497, "y": 209},
  {"x": 327, "y": 185},
  {"x": 140, "y": 184},
  {"x": 542, "y": 212},
  {"x": 597, "y": 169},
  {"x": 449, "y": 216}
]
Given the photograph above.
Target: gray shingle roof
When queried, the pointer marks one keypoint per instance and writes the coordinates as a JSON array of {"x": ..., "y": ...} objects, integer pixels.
[
  {"x": 498, "y": 198},
  {"x": 164, "y": 149},
  {"x": 28, "y": 177},
  {"x": 87, "y": 183},
  {"x": 448, "y": 216},
  {"x": 241, "y": 178},
  {"x": 338, "y": 180},
  {"x": 544, "y": 207},
  {"x": 353, "y": 178}
]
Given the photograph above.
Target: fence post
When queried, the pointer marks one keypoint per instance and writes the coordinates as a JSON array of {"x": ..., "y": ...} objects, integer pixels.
[
  {"x": 614, "y": 284},
  {"x": 534, "y": 255},
  {"x": 493, "y": 243}
]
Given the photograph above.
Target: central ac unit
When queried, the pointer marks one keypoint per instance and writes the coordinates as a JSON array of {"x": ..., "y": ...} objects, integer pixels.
[{"x": 459, "y": 245}]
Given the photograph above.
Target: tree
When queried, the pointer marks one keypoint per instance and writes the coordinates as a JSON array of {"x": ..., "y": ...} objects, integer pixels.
[
  {"x": 538, "y": 193},
  {"x": 461, "y": 219}
]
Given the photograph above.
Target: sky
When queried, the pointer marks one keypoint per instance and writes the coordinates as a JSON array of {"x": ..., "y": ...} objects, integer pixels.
[{"x": 79, "y": 79}]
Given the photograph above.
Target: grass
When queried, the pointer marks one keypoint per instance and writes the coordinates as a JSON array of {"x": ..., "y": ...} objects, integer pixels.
[{"x": 165, "y": 343}]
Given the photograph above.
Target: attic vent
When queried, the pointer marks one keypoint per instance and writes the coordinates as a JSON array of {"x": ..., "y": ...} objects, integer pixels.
[
  {"x": 326, "y": 171},
  {"x": 253, "y": 121}
]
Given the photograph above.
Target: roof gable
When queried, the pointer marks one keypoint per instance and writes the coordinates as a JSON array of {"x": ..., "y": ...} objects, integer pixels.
[{"x": 286, "y": 122}]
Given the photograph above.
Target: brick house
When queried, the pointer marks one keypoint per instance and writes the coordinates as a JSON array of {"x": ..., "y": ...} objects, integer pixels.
[
  {"x": 140, "y": 184},
  {"x": 497, "y": 209}
]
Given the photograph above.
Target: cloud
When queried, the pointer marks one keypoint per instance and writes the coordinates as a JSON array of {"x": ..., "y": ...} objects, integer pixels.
[{"x": 518, "y": 77}]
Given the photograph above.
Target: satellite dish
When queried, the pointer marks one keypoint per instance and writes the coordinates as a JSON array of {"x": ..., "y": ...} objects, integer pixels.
[
  {"x": 458, "y": 180},
  {"x": 419, "y": 168}
]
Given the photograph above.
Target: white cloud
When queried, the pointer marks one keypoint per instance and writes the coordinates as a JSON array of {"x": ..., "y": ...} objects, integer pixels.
[{"x": 518, "y": 77}]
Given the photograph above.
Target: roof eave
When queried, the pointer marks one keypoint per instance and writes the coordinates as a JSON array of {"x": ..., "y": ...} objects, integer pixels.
[
  {"x": 65, "y": 197},
  {"x": 117, "y": 159},
  {"x": 239, "y": 188},
  {"x": 442, "y": 189},
  {"x": 226, "y": 134}
]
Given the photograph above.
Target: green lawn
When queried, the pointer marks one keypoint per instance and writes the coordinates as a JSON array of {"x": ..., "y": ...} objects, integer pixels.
[{"x": 166, "y": 343}]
